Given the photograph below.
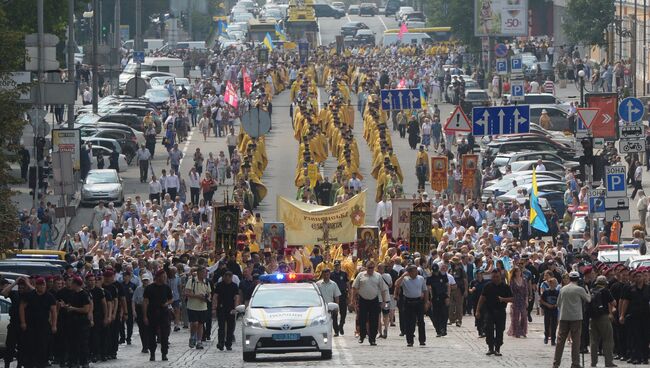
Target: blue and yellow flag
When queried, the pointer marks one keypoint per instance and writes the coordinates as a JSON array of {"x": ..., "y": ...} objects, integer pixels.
[
  {"x": 537, "y": 218},
  {"x": 280, "y": 33},
  {"x": 221, "y": 27},
  {"x": 268, "y": 41},
  {"x": 423, "y": 98}
]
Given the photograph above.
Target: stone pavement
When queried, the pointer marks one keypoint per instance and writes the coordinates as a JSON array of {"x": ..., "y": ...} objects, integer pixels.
[{"x": 460, "y": 348}]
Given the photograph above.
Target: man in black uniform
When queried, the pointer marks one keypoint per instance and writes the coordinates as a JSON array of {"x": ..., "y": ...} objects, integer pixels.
[
  {"x": 126, "y": 328},
  {"x": 119, "y": 315},
  {"x": 492, "y": 305},
  {"x": 157, "y": 299},
  {"x": 37, "y": 320},
  {"x": 60, "y": 341},
  {"x": 616, "y": 287},
  {"x": 635, "y": 313},
  {"x": 99, "y": 315},
  {"x": 438, "y": 284},
  {"x": 341, "y": 279},
  {"x": 111, "y": 305},
  {"x": 13, "y": 330},
  {"x": 224, "y": 301},
  {"x": 78, "y": 310}
]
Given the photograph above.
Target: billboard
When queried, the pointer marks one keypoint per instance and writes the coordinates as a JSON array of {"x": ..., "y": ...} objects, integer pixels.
[{"x": 501, "y": 18}]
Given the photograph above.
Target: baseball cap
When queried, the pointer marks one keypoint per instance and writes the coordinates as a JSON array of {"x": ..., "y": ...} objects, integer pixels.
[{"x": 574, "y": 275}]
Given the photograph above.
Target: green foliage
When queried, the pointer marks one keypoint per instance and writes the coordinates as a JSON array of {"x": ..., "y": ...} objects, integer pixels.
[
  {"x": 457, "y": 14},
  {"x": 588, "y": 20},
  {"x": 201, "y": 24}
]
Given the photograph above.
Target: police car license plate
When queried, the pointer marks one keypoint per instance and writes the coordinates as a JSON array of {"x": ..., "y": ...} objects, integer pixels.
[{"x": 286, "y": 337}]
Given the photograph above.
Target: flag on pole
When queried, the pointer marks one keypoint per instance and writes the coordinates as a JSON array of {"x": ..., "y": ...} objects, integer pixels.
[
  {"x": 537, "y": 218},
  {"x": 402, "y": 30},
  {"x": 231, "y": 95},
  {"x": 248, "y": 84},
  {"x": 268, "y": 41},
  {"x": 280, "y": 33},
  {"x": 423, "y": 98},
  {"x": 221, "y": 27}
]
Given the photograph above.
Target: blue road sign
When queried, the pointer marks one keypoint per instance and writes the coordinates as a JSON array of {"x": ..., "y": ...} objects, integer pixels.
[
  {"x": 502, "y": 66},
  {"x": 517, "y": 90},
  {"x": 516, "y": 66},
  {"x": 631, "y": 109},
  {"x": 615, "y": 181},
  {"x": 500, "y": 120},
  {"x": 138, "y": 56},
  {"x": 501, "y": 50},
  {"x": 400, "y": 99},
  {"x": 596, "y": 205}
]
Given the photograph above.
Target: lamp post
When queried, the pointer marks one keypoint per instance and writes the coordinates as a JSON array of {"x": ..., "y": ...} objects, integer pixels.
[{"x": 581, "y": 75}]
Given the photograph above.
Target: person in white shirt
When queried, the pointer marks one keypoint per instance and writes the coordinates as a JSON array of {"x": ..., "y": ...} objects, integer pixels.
[
  {"x": 540, "y": 166},
  {"x": 354, "y": 183},
  {"x": 231, "y": 142},
  {"x": 638, "y": 176},
  {"x": 84, "y": 236},
  {"x": 139, "y": 204},
  {"x": 172, "y": 183},
  {"x": 384, "y": 211},
  {"x": 143, "y": 155},
  {"x": 107, "y": 225},
  {"x": 155, "y": 189},
  {"x": 87, "y": 96},
  {"x": 195, "y": 186}
]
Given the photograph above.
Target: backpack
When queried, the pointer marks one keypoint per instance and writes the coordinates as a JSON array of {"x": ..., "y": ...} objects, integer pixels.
[{"x": 596, "y": 307}]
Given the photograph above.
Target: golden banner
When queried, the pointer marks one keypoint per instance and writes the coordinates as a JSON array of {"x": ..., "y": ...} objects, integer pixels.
[{"x": 313, "y": 224}]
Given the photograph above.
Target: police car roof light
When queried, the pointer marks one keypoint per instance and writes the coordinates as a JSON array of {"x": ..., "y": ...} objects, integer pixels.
[
  {"x": 278, "y": 278},
  {"x": 618, "y": 246}
]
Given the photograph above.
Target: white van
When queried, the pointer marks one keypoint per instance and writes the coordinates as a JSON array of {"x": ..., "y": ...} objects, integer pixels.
[
  {"x": 149, "y": 44},
  {"x": 160, "y": 64},
  {"x": 407, "y": 38},
  {"x": 185, "y": 45}
]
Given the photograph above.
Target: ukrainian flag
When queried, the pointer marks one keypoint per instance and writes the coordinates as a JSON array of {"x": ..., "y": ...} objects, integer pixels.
[
  {"x": 537, "y": 219},
  {"x": 423, "y": 98},
  {"x": 221, "y": 27},
  {"x": 268, "y": 41},
  {"x": 280, "y": 33}
]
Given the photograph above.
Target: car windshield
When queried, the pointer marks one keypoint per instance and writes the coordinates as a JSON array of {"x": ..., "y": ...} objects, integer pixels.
[
  {"x": 501, "y": 161},
  {"x": 107, "y": 177},
  {"x": 294, "y": 297},
  {"x": 477, "y": 96},
  {"x": 161, "y": 93},
  {"x": 579, "y": 225}
]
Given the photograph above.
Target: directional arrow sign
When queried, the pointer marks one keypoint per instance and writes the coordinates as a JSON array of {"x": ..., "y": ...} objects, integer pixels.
[
  {"x": 631, "y": 109},
  {"x": 606, "y": 118},
  {"x": 458, "y": 122},
  {"x": 587, "y": 115},
  {"x": 498, "y": 120}
]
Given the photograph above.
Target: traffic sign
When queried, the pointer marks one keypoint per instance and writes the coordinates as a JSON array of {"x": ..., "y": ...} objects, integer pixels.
[
  {"x": 458, "y": 122},
  {"x": 599, "y": 143},
  {"x": 597, "y": 202},
  {"x": 502, "y": 66},
  {"x": 138, "y": 57},
  {"x": 400, "y": 99},
  {"x": 256, "y": 122},
  {"x": 615, "y": 181},
  {"x": 581, "y": 130},
  {"x": 516, "y": 66},
  {"x": 633, "y": 145},
  {"x": 631, "y": 109},
  {"x": 500, "y": 120},
  {"x": 517, "y": 90},
  {"x": 587, "y": 115},
  {"x": 500, "y": 50},
  {"x": 633, "y": 130},
  {"x": 617, "y": 209}
]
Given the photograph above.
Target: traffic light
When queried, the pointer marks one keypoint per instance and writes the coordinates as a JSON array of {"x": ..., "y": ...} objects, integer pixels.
[{"x": 588, "y": 150}]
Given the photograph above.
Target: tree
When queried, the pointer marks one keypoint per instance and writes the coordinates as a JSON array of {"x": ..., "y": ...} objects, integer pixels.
[
  {"x": 588, "y": 20},
  {"x": 457, "y": 14}
]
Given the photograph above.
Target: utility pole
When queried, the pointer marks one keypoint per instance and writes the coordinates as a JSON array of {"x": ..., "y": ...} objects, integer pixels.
[
  {"x": 645, "y": 47},
  {"x": 138, "y": 26},
  {"x": 117, "y": 45},
  {"x": 95, "y": 47},
  {"x": 71, "y": 65},
  {"x": 190, "y": 6},
  {"x": 620, "y": 35},
  {"x": 635, "y": 37}
]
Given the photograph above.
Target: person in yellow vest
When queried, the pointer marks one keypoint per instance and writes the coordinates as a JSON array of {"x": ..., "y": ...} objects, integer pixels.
[{"x": 326, "y": 264}]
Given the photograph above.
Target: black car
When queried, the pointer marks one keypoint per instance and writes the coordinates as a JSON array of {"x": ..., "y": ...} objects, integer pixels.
[
  {"x": 127, "y": 141},
  {"x": 546, "y": 69},
  {"x": 350, "y": 29},
  {"x": 368, "y": 9},
  {"x": 326, "y": 10},
  {"x": 353, "y": 10},
  {"x": 392, "y": 6},
  {"x": 364, "y": 37},
  {"x": 131, "y": 120}
]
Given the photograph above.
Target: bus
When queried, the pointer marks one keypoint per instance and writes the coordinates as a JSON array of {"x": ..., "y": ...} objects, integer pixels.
[
  {"x": 159, "y": 64},
  {"x": 258, "y": 28},
  {"x": 437, "y": 34}
]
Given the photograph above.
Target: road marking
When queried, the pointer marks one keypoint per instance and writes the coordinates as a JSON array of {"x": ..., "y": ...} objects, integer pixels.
[
  {"x": 347, "y": 16},
  {"x": 382, "y": 22},
  {"x": 320, "y": 40},
  {"x": 186, "y": 146},
  {"x": 342, "y": 350}
]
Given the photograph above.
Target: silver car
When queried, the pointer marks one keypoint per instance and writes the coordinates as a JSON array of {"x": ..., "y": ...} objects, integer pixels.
[{"x": 102, "y": 185}]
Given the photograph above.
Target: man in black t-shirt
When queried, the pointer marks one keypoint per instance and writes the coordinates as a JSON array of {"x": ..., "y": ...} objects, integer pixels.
[
  {"x": 100, "y": 316},
  {"x": 157, "y": 299},
  {"x": 225, "y": 299},
  {"x": 38, "y": 316},
  {"x": 126, "y": 327},
  {"x": 492, "y": 306},
  {"x": 438, "y": 284},
  {"x": 77, "y": 309},
  {"x": 635, "y": 314},
  {"x": 13, "y": 329},
  {"x": 111, "y": 294},
  {"x": 341, "y": 279}
]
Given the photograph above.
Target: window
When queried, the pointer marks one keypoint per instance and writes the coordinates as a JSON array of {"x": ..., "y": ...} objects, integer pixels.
[
  {"x": 4, "y": 306},
  {"x": 296, "y": 298}
]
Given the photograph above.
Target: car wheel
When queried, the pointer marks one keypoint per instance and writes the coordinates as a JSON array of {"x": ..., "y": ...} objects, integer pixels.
[
  {"x": 249, "y": 357},
  {"x": 326, "y": 354}
]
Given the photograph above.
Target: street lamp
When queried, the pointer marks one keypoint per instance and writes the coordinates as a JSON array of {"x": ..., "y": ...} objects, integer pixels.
[{"x": 581, "y": 75}]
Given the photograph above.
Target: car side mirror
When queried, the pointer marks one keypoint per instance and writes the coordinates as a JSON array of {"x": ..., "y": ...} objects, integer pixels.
[
  {"x": 332, "y": 307},
  {"x": 240, "y": 308}
]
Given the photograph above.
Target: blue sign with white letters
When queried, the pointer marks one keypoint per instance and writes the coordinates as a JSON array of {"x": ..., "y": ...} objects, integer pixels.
[
  {"x": 516, "y": 66},
  {"x": 500, "y": 120},
  {"x": 502, "y": 66},
  {"x": 517, "y": 90},
  {"x": 138, "y": 57},
  {"x": 631, "y": 109},
  {"x": 596, "y": 204},
  {"x": 615, "y": 181},
  {"x": 400, "y": 99}
]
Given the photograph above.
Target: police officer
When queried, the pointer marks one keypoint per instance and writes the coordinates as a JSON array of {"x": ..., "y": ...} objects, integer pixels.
[
  {"x": 126, "y": 328},
  {"x": 438, "y": 285},
  {"x": 224, "y": 301},
  {"x": 341, "y": 279},
  {"x": 416, "y": 301},
  {"x": 119, "y": 315},
  {"x": 13, "y": 329},
  {"x": 60, "y": 344},
  {"x": 157, "y": 301},
  {"x": 78, "y": 311},
  {"x": 111, "y": 306},
  {"x": 635, "y": 313},
  {"x": 493, "y": 301},
  {"x": 99, "y": 315},
  {"x": 38, "y": 318}
]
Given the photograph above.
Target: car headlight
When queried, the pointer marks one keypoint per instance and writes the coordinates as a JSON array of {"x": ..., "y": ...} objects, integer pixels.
[
  {"x": 252, "y": 322},
  {"x": 318, "y": 321}
]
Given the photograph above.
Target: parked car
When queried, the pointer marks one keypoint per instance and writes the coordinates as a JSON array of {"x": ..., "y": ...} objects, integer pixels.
[
  {"x": 102, "y": 185},
  {"x": 513, "y": 145},
  {"x": 504, "y": 185},
  {"x": 122, "y": 163},
  {"x": 392, "y": 6},
  {"x": 476, "y": 98},
  {"x": 558, "y": 114},
  {"x": 403, "y": 10},
  {"x": 351, "y": 28},
  {"x": 89, "y": 130},
  {"x": 30, "y": 268},
  {"x": 415, "y": 16},
  {"x": 509, "y": 158},
  {"x": 544, "y": 66},
  {"x": 368, "y": 9},
  {"x": 338, "y": 5},
  {"x": 131, "y": 120},
  {"x": 326, "y": 11},
  {"x": 532, "y": 164},
  {"x": 353, "y": 9},
  {"x": 539, "y": 99},
  {"x": 364, "y": 37},
  {"x": 128, "y": 141}
]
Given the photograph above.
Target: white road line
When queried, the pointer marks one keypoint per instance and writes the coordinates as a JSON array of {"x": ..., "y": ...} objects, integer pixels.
[
  {"x": 320, "y": 40},
  {"x": 186, "y": 146},
  {"x": 347, "y": 16},
  {"x": 382, "y": 22}
]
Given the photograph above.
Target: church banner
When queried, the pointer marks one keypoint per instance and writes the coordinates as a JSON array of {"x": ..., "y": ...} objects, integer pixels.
[
  {"x": 402, "y": 208},
  {"x": 313, "y": 224}
]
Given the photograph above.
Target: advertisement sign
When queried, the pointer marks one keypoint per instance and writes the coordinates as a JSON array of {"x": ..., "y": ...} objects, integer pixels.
[
  {"x": 68, "y": 140},
  {"x": 402, "y": 208},
  {"x": 313, "y": 224},
  {"x": 438, "y": 173},
  {"x": 500, "y": 18},
  {"x": 604, "y": 124}
]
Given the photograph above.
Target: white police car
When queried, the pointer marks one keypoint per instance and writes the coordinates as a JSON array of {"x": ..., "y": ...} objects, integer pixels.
[{"x": 286, "y": 316}]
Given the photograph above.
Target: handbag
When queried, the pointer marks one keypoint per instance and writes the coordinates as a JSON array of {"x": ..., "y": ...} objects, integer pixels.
[{"x": 228, "y": 172}]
